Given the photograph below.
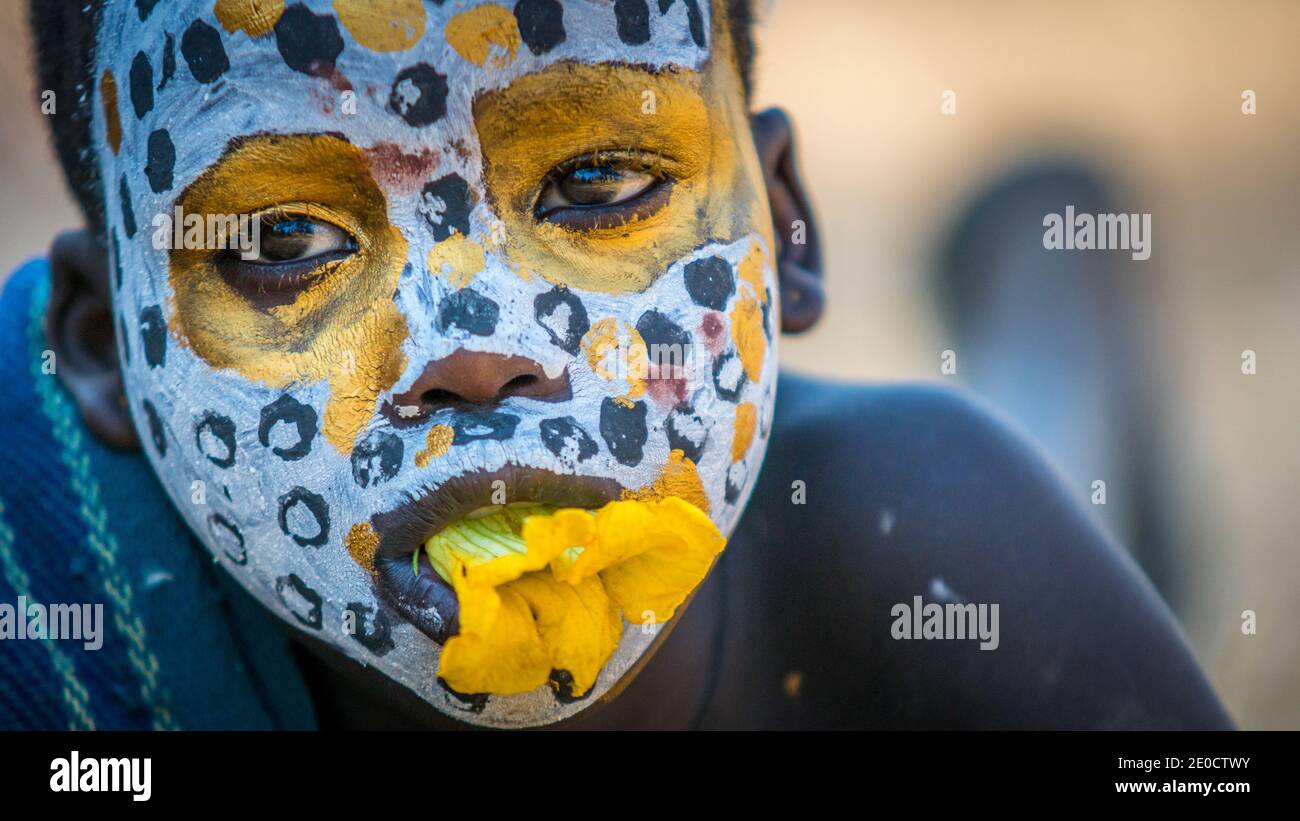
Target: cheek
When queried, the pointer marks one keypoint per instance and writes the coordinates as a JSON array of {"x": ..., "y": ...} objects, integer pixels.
[{"x": 679, "y": 376}]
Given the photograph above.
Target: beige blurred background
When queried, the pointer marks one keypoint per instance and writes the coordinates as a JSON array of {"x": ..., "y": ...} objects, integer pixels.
[{"x": 1150, "y": 93}]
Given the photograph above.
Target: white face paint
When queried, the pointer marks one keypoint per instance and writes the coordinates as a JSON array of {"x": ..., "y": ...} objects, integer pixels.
[{"x": 300, "y": 413}]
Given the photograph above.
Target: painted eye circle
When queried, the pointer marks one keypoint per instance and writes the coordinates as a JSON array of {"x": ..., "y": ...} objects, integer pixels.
[{"x": 298, "y": 240}]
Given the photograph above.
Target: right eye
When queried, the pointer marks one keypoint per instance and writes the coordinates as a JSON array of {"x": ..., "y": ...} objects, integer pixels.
[
  {"x": 298, "y": 239},
  {"x": 292, "y": 252}
]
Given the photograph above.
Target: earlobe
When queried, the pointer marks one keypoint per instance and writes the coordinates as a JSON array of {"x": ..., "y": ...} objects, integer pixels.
[
  {"x": 799, "y": 263},
  {"x": 79, "y": 329}
]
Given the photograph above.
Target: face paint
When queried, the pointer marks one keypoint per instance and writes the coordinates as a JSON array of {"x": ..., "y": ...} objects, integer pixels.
[{"x": 565, "y": 185}]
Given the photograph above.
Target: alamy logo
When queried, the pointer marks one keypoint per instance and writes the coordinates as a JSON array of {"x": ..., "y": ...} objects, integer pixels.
[
  {"x": 208, "y": 232},
  {"x": 60, "y": 622},
  {"x": 952, "y": 620},
  {"x": 77, "y": 774},
  {"x": 1102, "y": 232}
]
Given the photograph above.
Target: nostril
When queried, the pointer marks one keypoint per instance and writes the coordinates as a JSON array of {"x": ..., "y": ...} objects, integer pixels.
[
  {"x": 467, "y": 379},
  {"x": 520, "y": 383},
  {"x": 439, "y": 396}
]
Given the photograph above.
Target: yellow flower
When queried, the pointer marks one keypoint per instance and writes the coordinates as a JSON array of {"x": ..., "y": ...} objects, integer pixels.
[{"x": 542, "y": 589}]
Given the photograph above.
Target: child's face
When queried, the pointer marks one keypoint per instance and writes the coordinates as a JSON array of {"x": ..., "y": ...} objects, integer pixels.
[{"x": 506, "y": 179}]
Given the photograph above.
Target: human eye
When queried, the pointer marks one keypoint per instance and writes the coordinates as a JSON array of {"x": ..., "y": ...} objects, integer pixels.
[
  {"x": 293, "y": 250},
  {"x": 604, "y": 189}
]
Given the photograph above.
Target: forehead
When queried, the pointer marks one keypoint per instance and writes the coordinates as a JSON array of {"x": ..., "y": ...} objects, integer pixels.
[{"x": 368, "y": 68}]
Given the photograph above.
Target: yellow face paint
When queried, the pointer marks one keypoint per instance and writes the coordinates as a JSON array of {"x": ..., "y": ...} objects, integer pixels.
[
  {"x": 615, "y": 350},
  {"x": 474, "y": 33},
  {"x": 746, "y": 417},
  {"x": 253, "y": 17},
  {"x": 747, "y": 334},
  {"x": 678, "y": 478},
  {"x": 112, "y": 124},
  {"x": 436, "y": 444},
  {"x": 382, "y": 25},
  {"x": 568, "y": 111},
  {"x": 344, "y": 327},
  {"x": 751, "y": 271},
  {"x": 362, "y": 543},
  {"x": 458, "y": 258}
]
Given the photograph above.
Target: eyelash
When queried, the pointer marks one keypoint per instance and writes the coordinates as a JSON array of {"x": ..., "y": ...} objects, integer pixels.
[
  {"x": 276, "y": 283},
  {"x": 612, "y": 215}
]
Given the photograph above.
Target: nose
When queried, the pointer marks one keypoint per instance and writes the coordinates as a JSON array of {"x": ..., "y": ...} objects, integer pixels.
[{"x": 475, "y": 378}]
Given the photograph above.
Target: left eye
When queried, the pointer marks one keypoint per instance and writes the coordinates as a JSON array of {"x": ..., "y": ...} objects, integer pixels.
[
  {"x": 300, "y": 240},
  {"x": 592, "y": 191}
]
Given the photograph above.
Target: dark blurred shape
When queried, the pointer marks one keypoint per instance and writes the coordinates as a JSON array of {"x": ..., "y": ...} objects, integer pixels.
[{"x": 1058, "y": 339}]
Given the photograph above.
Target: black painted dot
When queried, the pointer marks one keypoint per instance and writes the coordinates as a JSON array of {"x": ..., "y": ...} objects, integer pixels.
[
  {"x": 445, "y": 206},
  {"x": 300, "y": 600},
  {"x": 116, "y": 255},
  {"x": 767, "y": 314},
  {"x": 160, "y": 161},
  {"x": 563, "y": 316},
  {"x": 473, "y": 427},
  {"x": 624, "y": 430},
  {"x": 156, "y": 431},
  {"x": 141, "y": 85},
  {"x": 372, "y": 628},
  {"x": 128, "y": 213},
  {"x": 144, "y": 8},
  {"x": 227, "y": 537},
  {"x": 694, "y": 18},
  {"x": 668, "y": 347},
  {"x": 215, "y": 437},
  {"x": 633, "y": 17},
  {"x": 473, "y": 702},
  {"x": 565, "y": 438},
  {"x": 470, "y": 311},
  {"x": 377, "y": 458},
  {"x": 729, "y": 376},
  {"x": 419, "y": 95},
  {"x": 561, "y": 683},
  {"x": 737, "y": 475},
  {"x": 541, "y": 24},
  {"x": 710, "y": 282},
  {"x": 290, "y": 411},
  {"x": 297, "y": 504},
  {"x": 308, "y": 43},
  {"x": 153, "y": 336},
  {"x": 126, "y": 339},
  {"x": 687, "y": 432},
  {"x": 201, "y": 47},
  {"x": 168, "y": 61}
]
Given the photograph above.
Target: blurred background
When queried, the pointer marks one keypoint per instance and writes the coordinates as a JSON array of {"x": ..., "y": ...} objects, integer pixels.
[{"x": 1127, "y": 372}]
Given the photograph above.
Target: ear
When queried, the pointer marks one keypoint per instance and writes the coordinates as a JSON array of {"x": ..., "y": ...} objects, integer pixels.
[
  {"x": 799, "y": 258},
  {"x": 79, "y": 329}
]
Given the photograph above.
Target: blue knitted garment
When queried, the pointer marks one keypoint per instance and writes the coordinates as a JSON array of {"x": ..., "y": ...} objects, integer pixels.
[{"x": 182, "y": 646}]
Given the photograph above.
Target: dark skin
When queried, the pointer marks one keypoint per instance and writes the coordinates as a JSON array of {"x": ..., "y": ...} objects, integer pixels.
[{"x": 907, "y": 491}]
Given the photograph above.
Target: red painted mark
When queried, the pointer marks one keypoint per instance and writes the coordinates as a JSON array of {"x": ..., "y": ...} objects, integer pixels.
[
  {"x": 711, "y": 329},
  {"x": 399, "y": 171},
  {"x": 667, "y": 392}
]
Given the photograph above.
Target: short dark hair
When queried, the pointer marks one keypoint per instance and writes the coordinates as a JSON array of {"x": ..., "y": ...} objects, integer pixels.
[{"x": 64, "y": 37}]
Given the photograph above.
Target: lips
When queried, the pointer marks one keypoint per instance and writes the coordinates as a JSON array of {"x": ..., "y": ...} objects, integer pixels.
[{"x": 423, "y": 598}]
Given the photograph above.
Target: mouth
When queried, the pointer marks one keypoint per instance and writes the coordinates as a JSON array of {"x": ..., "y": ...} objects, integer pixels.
[{"x": 419, "y": 594}]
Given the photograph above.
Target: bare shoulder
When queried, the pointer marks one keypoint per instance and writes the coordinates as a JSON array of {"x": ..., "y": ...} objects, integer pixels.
[{"x": 877, "y": 500}]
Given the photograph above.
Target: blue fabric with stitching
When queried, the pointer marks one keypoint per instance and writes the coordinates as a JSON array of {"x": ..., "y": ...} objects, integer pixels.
[{"x": 183, "y": 647}]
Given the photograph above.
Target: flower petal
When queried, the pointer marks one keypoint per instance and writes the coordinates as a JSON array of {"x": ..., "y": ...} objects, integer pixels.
[
  {"x": 501, "y": 654},
  {"x": 682, "y": 543},
  {"x": 578, "y": 623}
]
